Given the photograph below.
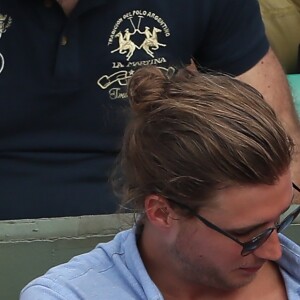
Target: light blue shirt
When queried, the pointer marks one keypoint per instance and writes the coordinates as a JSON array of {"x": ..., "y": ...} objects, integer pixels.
[{"x": 115, "y": 270}]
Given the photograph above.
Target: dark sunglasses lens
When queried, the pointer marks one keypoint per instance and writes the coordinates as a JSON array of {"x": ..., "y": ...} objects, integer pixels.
[{"x": 256, "y": 242}]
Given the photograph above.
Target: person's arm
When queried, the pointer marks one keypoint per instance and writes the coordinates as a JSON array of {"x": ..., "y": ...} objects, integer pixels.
[
  {"x": 268, "y": 77},
  {"x": 40, "y": 292}
]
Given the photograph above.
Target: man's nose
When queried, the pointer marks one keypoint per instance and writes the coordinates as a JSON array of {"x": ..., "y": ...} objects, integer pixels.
[{"x": 270, "y": 249}]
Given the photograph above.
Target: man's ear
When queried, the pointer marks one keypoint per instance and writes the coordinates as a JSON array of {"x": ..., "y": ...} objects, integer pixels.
[{"x": 159, "y": 212}]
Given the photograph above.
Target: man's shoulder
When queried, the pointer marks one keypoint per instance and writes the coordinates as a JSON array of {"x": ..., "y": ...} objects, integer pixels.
[
  {"x": 100, "y": 271},
  {"x": 290, "y": 265}
]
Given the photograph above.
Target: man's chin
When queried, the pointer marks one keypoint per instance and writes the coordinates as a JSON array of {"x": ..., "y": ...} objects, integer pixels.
[{"x": 239, "y": 280}]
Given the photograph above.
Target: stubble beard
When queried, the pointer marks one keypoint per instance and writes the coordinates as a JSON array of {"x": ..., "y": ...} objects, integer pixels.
[{"x": 199, "y": 271}]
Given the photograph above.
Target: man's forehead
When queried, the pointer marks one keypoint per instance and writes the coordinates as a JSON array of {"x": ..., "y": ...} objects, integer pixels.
[{"x": 238, "y": 201}]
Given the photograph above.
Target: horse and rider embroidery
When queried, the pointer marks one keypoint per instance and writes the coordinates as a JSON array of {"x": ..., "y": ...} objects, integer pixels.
[{"x": 127, "y": 46}]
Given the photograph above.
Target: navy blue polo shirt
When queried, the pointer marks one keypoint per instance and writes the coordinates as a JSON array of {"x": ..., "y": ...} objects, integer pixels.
[{"x": 62, "y": 87}]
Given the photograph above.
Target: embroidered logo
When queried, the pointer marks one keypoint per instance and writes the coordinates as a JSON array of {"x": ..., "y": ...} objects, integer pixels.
[
  {"x": 127, "y": 46},
  {"x": 138, "y": 31},
  {"x": 5, "y": 22}
]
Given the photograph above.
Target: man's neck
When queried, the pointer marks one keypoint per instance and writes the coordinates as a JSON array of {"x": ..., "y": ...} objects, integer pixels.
[{"x": 67, "y": 5}]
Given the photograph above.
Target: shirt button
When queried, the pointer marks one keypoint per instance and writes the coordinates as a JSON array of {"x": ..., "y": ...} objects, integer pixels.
[{"x": 64, "y": 40}]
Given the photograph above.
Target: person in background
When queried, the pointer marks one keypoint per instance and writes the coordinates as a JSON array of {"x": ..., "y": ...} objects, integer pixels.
[
  {"x": 205, "y": 164},
  {"x": 64, "y": 66},
  {"x": 282, "y": 22}
]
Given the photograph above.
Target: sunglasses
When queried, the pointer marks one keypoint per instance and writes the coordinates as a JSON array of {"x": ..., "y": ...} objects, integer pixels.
[{"x": 249, "y": 246}]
